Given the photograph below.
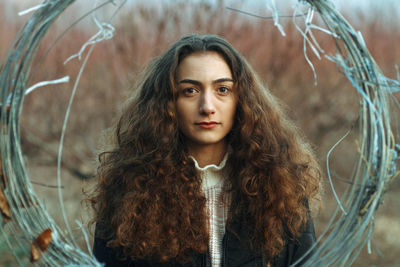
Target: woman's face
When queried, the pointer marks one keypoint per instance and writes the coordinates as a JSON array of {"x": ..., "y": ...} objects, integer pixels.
[{"x": 207, "y": 99}]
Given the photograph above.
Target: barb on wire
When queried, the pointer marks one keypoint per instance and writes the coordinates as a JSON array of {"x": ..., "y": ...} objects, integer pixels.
[
  {"x": 106, "y": 32},
  {"x": 271, "y": 5},
  {"x": 44, "y": 83},
  {"x": 29, "y": 10}
]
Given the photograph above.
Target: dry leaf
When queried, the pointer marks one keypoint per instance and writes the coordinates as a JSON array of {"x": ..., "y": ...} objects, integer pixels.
[
  {"x": 44, "y": 239},
  {"x": 4, "y": 207},
  {"x": 41, "y": 242},
  {"x": 35, "y": 253}
]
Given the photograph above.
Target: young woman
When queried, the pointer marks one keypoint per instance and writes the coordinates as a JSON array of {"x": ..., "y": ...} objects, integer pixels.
[{"x": 206, "y": 170}]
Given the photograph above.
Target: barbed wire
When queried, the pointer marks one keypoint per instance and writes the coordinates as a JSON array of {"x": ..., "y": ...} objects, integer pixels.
[
  {"x": 26, "y": 224},
  {"x": 378, "y": 162}
]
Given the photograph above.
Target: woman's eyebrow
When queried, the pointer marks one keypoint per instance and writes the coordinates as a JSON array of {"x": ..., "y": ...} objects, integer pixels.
[
  {"x": 221, "y": 80},
  {"x": 190, "y": 81}
]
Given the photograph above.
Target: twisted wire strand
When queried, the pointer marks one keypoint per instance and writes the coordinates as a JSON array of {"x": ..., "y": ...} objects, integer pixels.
[
  {"x": 346, "y": 233},
  {"x": 28, "y": 217},
  {"x": 377, "y": 165}
]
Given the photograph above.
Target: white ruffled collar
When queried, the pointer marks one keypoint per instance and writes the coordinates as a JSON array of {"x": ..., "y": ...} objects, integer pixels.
[
  {"x": 212, "y": 175},
  {"x": 211, "y": 166}
]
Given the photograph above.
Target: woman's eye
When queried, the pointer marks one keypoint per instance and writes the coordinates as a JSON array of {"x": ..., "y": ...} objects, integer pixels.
[
  {"x": 223, "y": 90},
  {"x": 189, "y": 91}
]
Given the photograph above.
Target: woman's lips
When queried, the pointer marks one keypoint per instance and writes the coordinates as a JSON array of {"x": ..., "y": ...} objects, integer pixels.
[{"x": 207, "y": 124}]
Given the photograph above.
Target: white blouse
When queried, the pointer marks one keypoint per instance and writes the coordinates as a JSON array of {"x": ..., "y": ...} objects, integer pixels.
[{"x": 213, "y": 178}]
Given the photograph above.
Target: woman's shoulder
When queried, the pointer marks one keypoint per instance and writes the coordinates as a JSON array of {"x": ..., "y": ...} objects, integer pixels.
[{"x": 298, "y": 250}]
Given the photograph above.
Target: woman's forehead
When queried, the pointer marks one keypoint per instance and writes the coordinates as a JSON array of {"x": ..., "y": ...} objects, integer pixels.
[{"x": 203, "y": 65}]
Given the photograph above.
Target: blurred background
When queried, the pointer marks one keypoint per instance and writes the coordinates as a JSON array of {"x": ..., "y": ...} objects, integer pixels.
[{"x": 325, "y": 112}]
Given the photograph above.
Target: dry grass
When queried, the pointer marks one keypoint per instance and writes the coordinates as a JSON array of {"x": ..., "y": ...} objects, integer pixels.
[{"x": 324, "y": 112}]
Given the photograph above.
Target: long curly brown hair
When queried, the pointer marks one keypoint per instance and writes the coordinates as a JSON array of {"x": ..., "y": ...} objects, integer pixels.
[{"x": 149, "y": 195}]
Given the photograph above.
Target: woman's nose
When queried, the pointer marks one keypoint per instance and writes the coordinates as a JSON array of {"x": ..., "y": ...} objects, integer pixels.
[{"x": 207, "y": 106}]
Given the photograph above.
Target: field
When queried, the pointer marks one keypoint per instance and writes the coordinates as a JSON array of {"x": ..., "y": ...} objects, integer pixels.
[{"x": 325, "y": 112}]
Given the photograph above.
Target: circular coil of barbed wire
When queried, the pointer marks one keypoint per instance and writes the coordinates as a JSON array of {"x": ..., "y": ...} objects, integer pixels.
[{"x": 352, "y": 224}]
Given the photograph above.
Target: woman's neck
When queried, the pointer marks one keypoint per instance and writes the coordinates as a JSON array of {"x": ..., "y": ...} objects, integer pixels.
[{"x": 208, "y": 154}]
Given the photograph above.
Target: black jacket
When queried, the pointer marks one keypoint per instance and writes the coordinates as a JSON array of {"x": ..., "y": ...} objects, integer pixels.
[{"x": 236, "y": 252}]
